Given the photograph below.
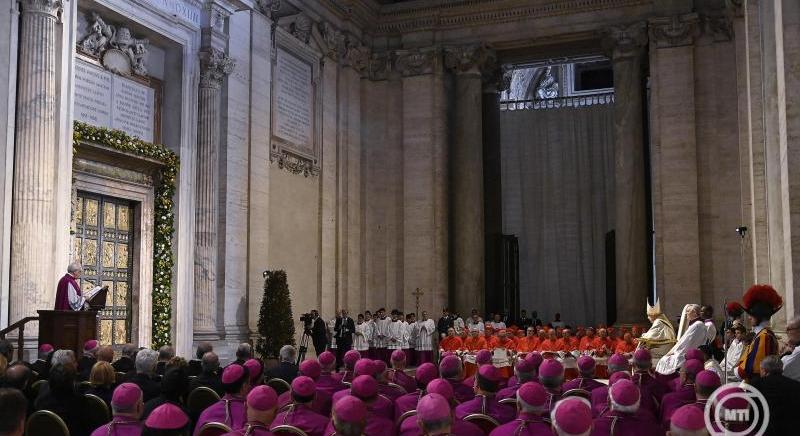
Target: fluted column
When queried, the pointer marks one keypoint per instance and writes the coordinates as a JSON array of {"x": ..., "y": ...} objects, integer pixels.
[
  {"x": 215, "y": 65},
  {"x": 33, "y": 201},
  {"x": 466, "y": 166},
  {"x": 627, "y": 45}
]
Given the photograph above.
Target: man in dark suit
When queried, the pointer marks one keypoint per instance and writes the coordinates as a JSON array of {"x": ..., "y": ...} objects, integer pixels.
[
  {"x": 61, "y": 397},
  {"x": 145, "y": 376},
  {"x": 42, "y": 364},
  {"x": 88, "y": 359},
  {"x": 445, "y": 323},
  {"x": 196, "y": 365},
  {"x": 782, "y": 394},
  {"x": 287, "y": 368},
  {"x": 343, "y": 332},
  {"x": 524, "y": 320},
  {"x": 210, "y": 376},
  {"x": 125, "y": 364},
  {"x": 319, "y": 333}
]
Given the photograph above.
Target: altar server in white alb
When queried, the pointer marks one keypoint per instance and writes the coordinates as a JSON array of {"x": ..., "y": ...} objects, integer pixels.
[
  {"x": 396, "y": 333},
  {"x": 361, "y": 336},
  {"x": 381, "y": 335},
  {"x": 411, "y": 339},
  {"x": 426, "y": 328},
  {"x": 691, "y": 334}
]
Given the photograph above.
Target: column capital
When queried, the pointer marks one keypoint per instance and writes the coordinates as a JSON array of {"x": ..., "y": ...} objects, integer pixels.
[
  {"x": 47, "y": 7},
  {"x": 214, "y": 66},
  {"x": 470, "y": 59},
  {"x": 496, "y": 80},
  {"x": 674, "y": 31},
  {"x": 625, "y": 41}
]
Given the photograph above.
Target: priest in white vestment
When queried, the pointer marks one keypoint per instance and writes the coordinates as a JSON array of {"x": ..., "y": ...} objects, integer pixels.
[
  {"x": 425, "y": 328},
  {"x": 691, "y": 334},
  {"x": 661, "y": 335},
  {"x": 362, "y": 336}
]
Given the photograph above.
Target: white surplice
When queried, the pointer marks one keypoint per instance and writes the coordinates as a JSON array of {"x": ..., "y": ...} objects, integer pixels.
[{"x": 694, "y": 337}]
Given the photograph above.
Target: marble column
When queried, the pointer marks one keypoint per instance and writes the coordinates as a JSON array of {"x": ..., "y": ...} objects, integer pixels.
[
  {"x": 466, "y": 177},
  {"x": 33, "y": 202},
  {"x": 674, "y": 141},
  {"x": 627, "y": 44},
  {"x": 215, "y": 65}
]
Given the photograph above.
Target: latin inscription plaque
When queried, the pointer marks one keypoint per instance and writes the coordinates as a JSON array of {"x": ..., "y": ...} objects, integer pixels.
[
  {"x": 294, "y": 101},
  {"x": 105, "y": 99}
]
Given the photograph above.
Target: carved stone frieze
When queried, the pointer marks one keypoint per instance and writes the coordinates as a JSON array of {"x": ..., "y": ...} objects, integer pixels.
[
  {"x": 116, "y": 47},
  {"x": 214, "y": 66},
  {"x": 294, "y": 164},
  {"x": 626, "y": 40},
  {"x": 674, "y": 31},
  {"x": 301, "y": 27},
  {"x": 416, "y": 61},
  {"x": 380, "y": 66},
  {"x": 269, "y": 7},
  {"x": 470, "y": 59}
]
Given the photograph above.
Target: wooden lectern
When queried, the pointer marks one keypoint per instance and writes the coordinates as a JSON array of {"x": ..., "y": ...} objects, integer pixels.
[{"x": 66, "y": 329}]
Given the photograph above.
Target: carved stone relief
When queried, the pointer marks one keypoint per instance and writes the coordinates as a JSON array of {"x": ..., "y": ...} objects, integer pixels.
[
  {"x": 116, "y": 47},
  {"x": 674, "y": 31},
  {"x": 626, "y": 40}
]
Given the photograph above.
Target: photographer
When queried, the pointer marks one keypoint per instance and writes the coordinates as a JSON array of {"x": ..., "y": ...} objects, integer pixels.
[
  {"x": 318, "y": 332},
  {"x": 344, "y": 329}
]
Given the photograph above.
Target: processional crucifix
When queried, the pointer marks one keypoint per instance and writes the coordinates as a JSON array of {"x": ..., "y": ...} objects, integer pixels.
[{"x": 417, "y": 294}]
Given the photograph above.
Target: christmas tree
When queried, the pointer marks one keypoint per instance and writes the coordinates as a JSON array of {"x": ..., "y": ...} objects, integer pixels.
[{"x": 275, "y": 321}]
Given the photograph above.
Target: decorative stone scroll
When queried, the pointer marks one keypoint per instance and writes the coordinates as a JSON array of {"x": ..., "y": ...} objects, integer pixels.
[
  {"x": 48, "y": 7},
  {"x": 116, "y": 48},
  {"x": 626, "y": 40},
  {"x": 718, "y": 27},
  {"x": 674, "y": 31}
]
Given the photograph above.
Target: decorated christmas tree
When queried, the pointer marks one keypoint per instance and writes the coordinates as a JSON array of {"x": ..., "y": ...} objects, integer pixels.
[{"x": 275, "y": 321}]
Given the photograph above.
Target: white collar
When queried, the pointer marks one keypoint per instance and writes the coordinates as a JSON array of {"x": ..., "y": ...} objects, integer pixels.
[{"x": 763, "y": 324}]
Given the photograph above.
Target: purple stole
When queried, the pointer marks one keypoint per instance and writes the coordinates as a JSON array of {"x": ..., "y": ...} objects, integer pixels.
[
  {"x": 62, "y": 292},
  {"x": 619, "y": 423},
  {"x": 488, "y": 406},
  {"x": 402, "y": 379},
  {"x": 120, "y": 426},
  {"x": 229, "y": 410},
  {"x": 303, "y": 418},
  {"x": 526, "y": 424},
  {"x": 409, "y": 427},
  {"x": 585, "y": 383},
  {"x": 461, "y": 392}
]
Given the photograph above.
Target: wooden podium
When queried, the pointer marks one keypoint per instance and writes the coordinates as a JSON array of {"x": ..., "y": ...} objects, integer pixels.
[{"x": 66, "y": 329}]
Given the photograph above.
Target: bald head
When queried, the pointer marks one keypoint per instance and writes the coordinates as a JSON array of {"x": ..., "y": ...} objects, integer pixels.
[{"x": 18, "y": 376}]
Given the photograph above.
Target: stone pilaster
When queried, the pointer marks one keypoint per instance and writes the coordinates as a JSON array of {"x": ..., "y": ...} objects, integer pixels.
[
  {"x": 33, "y": 220},
  {"x": 466, "y": 177},
  {"x": 215, "y": 66},
  {"x": 627, "y": 45},
  {"x": 674, "y": 145}
]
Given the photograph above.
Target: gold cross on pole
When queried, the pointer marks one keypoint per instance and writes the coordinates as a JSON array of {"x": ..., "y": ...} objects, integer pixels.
[{"x": 417, "y": 293}]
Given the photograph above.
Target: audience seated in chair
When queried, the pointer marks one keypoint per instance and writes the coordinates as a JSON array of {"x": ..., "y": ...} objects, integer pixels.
[
  {"x": 13, "y": 411},
  {"x": 196, "y": 364},
  {"x": 61, "y": 397},
  {"x": 210, "y": 376},
  {"x": 174, "y": 389},
  {"x": 145, "y": 376},
  {"x": 102, "y": 380},
  {"x": 286, "y": 370},
  {"x": 126, "y": 362}
]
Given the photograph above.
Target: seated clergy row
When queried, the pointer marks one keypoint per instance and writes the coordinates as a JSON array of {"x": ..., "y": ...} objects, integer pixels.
[{"x": 439, "y": 400}]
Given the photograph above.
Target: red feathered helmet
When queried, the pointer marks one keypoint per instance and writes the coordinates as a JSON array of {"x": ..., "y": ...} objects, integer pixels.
[
  {"x": 761, "y": 301},
  {"x": 734, "y": 309}
]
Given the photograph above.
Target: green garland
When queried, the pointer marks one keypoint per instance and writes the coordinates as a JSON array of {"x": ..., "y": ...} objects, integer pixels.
[{"x": 163, "y": 213}]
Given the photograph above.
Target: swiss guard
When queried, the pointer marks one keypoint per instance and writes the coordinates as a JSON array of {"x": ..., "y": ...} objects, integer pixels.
[{"x": 760, "y": 302}]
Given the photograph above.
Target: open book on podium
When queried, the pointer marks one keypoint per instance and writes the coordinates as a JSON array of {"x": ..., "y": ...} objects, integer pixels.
[{"x": 96, "y": 297}]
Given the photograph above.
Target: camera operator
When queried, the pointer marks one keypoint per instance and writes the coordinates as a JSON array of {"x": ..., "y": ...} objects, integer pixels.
[
  {"x": 344, "y": 329},
  {"x": 318, "y": 332}
]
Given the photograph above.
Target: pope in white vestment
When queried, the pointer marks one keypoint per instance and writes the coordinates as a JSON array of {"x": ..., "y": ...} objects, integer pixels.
[
  {"x": 661, "y": 335},
  {"x": 692, "y": 336}
]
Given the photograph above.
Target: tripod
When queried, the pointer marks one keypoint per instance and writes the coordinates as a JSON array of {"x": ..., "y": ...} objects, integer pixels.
[{"x": 301, "y": 353}]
